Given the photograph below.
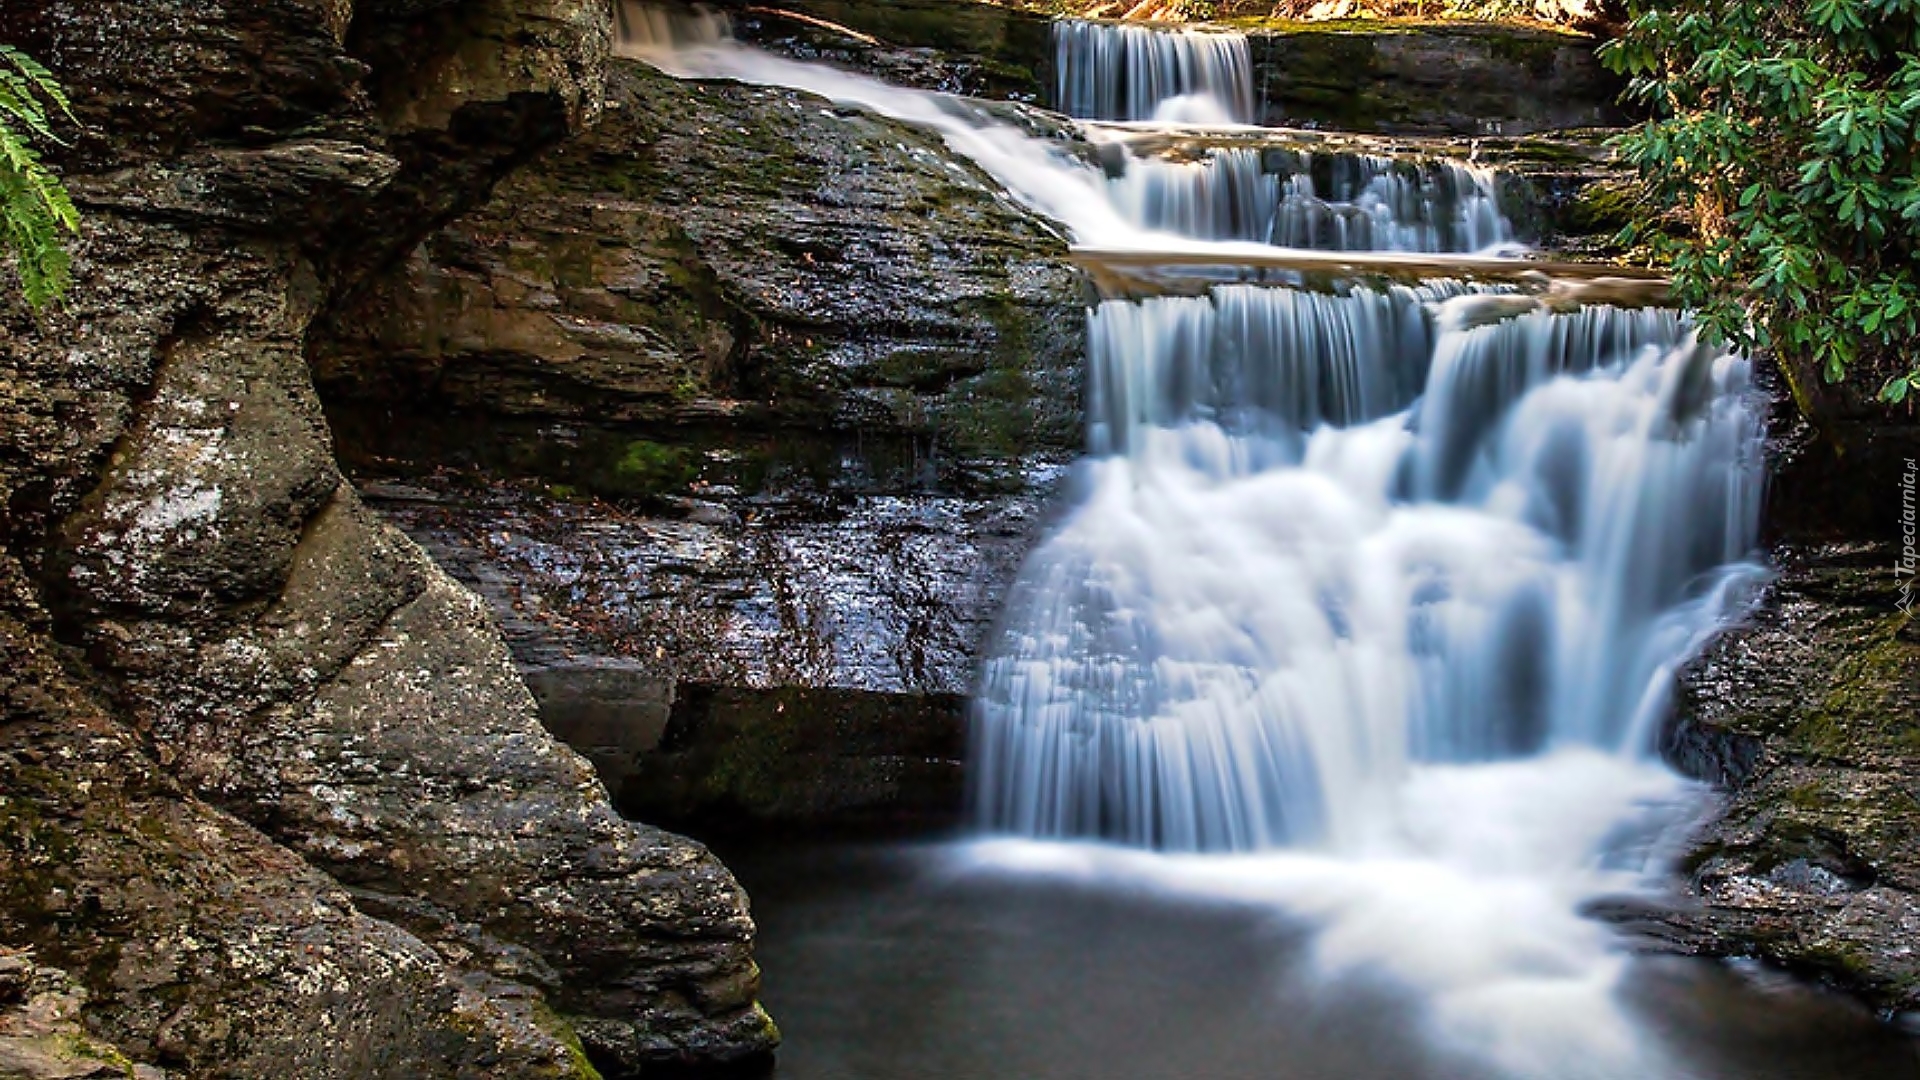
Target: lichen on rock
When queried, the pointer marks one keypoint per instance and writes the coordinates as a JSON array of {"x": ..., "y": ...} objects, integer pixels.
[{"x": 224, "y": 676}]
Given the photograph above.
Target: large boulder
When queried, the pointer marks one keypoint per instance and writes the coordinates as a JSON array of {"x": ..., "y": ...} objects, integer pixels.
[
  {"x": 1810, "y": 717},
  {"x": 731, "y": 257},
  {"x": 271, "y": 681},
  {"x": 751, "y": 392}
]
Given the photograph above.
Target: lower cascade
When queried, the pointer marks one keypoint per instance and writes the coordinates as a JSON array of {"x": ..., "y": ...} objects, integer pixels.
[{"x": 1328, "y": 536}]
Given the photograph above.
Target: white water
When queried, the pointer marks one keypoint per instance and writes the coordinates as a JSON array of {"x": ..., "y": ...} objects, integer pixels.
[
  {"x": 1367, "y": 204},
  {"x": 1112, "y": 71},
  {"x": 1367, "y": 601},
  {"x": 1340, "y": 202},
  {"x": 1272, "y": 598}
]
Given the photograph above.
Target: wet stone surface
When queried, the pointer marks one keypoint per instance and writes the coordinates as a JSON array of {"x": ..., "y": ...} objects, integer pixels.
[
  {"x": 736, "y": 660},
  {"x": 886, "y": 593},
  {"x": 1809, "y": 716}
]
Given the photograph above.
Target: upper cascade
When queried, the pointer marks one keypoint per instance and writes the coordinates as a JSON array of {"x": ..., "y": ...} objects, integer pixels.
[
  {"x": 1111, "y": 71},
  {"x": 1314, "y": 200},
  {"x": 648, "y": 29}
]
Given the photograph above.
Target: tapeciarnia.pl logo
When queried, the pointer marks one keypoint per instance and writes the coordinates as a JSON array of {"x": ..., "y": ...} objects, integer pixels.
[{"x": 1909, "y": 558}]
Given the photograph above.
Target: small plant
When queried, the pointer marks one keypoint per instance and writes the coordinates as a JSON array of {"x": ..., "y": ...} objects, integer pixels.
[{"x": 34, "y": 206}]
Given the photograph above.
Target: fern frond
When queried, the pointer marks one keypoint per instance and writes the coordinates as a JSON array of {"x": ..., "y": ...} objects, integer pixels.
[
  {"x": 41, "y": 79},
  {"x": 32, "y": 233},
  {"x": 35, "y": 209},
  {"x": 17, "y": 101}
]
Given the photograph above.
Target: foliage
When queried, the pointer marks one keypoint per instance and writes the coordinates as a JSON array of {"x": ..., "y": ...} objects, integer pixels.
[
  {"x": 1784, "y": 134},
  {"x": 649, "y": 468},
  {"x": 34, "y": 206}
]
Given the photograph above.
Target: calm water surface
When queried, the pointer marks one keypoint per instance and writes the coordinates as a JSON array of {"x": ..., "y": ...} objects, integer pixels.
[{"x": 906, "y": 963}]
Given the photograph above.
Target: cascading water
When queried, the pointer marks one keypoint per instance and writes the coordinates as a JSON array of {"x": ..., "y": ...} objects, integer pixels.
[
  {"x": 1113, "y": 71},
  {"x": 1329, "y": 536},
  {"x": 1280, "y": 591},
  {"x": 1326, "y": 202},
  {"x": 1368, "y": 597}
]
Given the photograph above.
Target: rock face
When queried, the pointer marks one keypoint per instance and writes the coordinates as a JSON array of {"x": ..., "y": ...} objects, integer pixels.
[
  {"x": 250, "y": 729},
  {"x": 1453, "y": 80},
  {"x": 1809, "y": 717},
  {"x": 40, "y": 1033},
  {"x": 780, "y": 387},
  {"x": 202, "y": 944},
  {"x": 958, "y": 46},
  {"x": 739, "y": 259}
]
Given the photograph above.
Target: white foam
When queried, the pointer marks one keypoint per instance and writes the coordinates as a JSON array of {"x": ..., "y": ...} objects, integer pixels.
[{"x": 1465, "y": 891}]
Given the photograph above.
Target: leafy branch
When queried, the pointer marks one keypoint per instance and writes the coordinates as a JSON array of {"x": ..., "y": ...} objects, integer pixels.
[
  {"x": 1785, "y": 135},
  {"x": 35, "y": 209}
]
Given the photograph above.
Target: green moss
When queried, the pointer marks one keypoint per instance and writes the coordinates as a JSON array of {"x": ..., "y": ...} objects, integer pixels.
[
  {"x": 1808, "y": 797},
  {"x": 1604, "y": 207},
  {"x": 1553, "y": 152},
  {"x": 1861, "y": 707},
  {"x": 562, "y": 1031},
  {"x": 76, "y": 1048},
  {"x": 761, "y": 767},
  {"x": 649, "y": 469}
]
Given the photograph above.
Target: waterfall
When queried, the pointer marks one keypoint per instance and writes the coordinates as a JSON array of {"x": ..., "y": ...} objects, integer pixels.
[
  {"x": 1365, "y": 601},
  {"x": 1112, "y": 71},
  {"x": 653, "y": 30},
  {"x": 1327, "y": 537},
  {"x": 1322, "y": 201},
  {"x": 1251, "y": 359},
  {"x": 1264, "y": 609}
]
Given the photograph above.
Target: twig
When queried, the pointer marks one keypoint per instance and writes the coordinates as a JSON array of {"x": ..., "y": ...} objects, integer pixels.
[{"x": 823, "y": 24}]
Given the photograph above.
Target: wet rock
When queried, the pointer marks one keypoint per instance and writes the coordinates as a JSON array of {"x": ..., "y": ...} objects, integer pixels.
[
  {"x": 778, "y": 387},
  {"x": 797, "y": 756},
  {"x": 40, "y": 1033},
  {"x": 725, "y": 258},
  {"x": 612, "y": 711},
  {"x": 224, "y": 675},
  {"x": 981, "y": 50},
  {"x": 1809, "y": 714},
  {"x": 196, "y": 943},
  {"x": 1460, "y": 79},
  {"x": 670, "y": 651},
  {"x": 884, "y": 593}
]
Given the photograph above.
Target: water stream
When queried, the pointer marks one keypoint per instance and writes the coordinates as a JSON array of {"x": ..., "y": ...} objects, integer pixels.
[{"x": 1367, "y": 600}]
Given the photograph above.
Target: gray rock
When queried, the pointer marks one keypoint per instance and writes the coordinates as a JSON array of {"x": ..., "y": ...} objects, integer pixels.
[
  {"x": 277, "y": 670},
  {"x": 1459, "y": 79},
  {"x": 727, "y": 257}
]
